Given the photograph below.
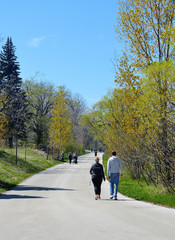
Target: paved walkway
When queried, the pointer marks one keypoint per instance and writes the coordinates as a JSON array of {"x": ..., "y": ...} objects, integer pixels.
[{"x": 58, "y": 204}]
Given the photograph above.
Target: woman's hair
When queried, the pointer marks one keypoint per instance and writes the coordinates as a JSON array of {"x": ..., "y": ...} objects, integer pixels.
[{"x": 97, "y": 159}]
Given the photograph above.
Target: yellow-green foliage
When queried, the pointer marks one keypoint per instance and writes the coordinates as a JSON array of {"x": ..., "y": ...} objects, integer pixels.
[
  {"x": 146, "y": 25},
  {"x": 60, "y": 123},
  {"x": 137, "y": 118}
]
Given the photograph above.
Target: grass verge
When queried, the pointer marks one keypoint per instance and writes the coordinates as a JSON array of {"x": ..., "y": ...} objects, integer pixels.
[
  {"x": 140, "y": 191},
  {"x": 12, "y": 174}
]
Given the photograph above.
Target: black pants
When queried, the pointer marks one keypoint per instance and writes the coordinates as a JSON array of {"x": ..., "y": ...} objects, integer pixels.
[{"x": 97, "y": 184}]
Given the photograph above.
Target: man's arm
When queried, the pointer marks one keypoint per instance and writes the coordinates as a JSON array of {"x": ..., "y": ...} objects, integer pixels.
[{"x": 121, "y": 169}]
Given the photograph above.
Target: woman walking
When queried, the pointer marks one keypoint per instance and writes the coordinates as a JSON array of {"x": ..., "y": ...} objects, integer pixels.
[
  {"x": 97, "y": 173},
  {"x": 70, "y": 158}
]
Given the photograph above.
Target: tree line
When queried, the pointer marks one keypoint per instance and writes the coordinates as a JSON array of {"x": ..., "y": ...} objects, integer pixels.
[
  {"x": 137, "y": 118},
  {"x": 37, "y": 113}
]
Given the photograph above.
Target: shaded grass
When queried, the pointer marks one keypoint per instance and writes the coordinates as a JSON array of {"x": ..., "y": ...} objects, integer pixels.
[
  {"x": 140, "y": 191},
  {"x": 12, "y": 174}
]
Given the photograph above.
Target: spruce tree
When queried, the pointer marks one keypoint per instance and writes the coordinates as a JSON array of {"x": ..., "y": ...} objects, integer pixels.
[
  {"x": 11, "y": 85},
  {"x": 9, "y": 69}
]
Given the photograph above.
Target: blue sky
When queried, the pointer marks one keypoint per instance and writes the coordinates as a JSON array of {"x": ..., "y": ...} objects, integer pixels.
[{"x": 69, "y": 42}]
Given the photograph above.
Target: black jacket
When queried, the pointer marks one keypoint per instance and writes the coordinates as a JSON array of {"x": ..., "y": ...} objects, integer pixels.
[{"x": 97, "y": 170}]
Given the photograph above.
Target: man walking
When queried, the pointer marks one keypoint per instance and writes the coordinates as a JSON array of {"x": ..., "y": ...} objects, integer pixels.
[{"x": 114, "y": 168}]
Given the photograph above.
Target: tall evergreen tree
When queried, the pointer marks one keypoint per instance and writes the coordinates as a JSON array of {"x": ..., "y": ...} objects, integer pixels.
[
  {"x": 9, "y": 68},
  {"x": 11, "y": 85}
]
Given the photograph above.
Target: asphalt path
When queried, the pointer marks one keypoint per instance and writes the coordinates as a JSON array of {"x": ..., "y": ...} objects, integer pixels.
[{"x": 59, "y": 204}]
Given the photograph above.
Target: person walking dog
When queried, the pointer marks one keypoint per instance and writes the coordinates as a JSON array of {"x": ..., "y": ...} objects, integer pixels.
[
  {"x": 114, "y": 169},
  {"x": 97, "y": 173}
]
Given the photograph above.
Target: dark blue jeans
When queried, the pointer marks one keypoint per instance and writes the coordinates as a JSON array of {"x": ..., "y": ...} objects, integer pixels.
[{"x": 114, "y": 182}]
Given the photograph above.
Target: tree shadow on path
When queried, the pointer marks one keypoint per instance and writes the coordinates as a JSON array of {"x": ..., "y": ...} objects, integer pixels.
[
  {"x": 30, "y": 188},
  {"x": 37, "y": 188},
  {"x": 15, "y": 196},
  {"x": 118, "y": 200}
]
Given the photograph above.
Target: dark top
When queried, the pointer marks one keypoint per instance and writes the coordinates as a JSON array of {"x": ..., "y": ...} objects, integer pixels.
[
  {"x": 70, "y": 156},
  {"x": 97, "y": 170}
]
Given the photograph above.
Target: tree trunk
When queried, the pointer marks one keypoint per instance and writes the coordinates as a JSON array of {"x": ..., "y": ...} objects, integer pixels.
[
  {"x": 16, "y": 150},
  {"x": 25, "y": 152},
  {"x": 47, "y": 152},
  {"x": 10, "y": 142},
  {"x": 165, "y": 149}
]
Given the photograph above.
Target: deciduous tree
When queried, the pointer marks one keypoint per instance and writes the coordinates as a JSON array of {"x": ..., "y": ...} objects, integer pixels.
[
  {"x": 40, "y": 96},
  {"x": 60, "y": 134}
]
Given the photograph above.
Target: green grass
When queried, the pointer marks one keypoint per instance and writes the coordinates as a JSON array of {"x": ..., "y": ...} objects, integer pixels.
[
  {"x": 140, "y": 191},
  {"x": 12, "y": 174}
]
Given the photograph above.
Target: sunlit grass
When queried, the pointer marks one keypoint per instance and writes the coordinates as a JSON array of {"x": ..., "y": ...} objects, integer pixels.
[
  {"x": 11, "y": 173},
  {"x": 139, "y": 190}
]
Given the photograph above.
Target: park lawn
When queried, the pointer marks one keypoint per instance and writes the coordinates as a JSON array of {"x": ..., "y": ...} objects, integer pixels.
[
  {"x": 12, "y": 174},
  {"x": 141, "y": 191}
]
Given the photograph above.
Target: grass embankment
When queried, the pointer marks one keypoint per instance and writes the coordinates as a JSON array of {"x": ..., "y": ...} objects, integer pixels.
[
  {"x": 12, "y": 174},
  {"x": 140, "y": 191}
]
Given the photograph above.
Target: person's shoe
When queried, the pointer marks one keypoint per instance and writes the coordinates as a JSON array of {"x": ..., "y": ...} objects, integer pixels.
[
  {"x": 96, "y": 198},
  {"x": 115, "y": 198},
  {"x": 99, "y": 197},
  {"x": 111, "y": 197}
]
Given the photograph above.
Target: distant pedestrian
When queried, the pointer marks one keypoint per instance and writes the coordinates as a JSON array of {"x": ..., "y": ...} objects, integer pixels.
[
  {"x": 62, "y": 156},
  {"x": 75, "y": 158},
  {"x": 114, "y": 168},
  {"x": 95, "y": 152},
  {"x": 70, "y": 158},
  {"x": 97, "y": 173}
]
